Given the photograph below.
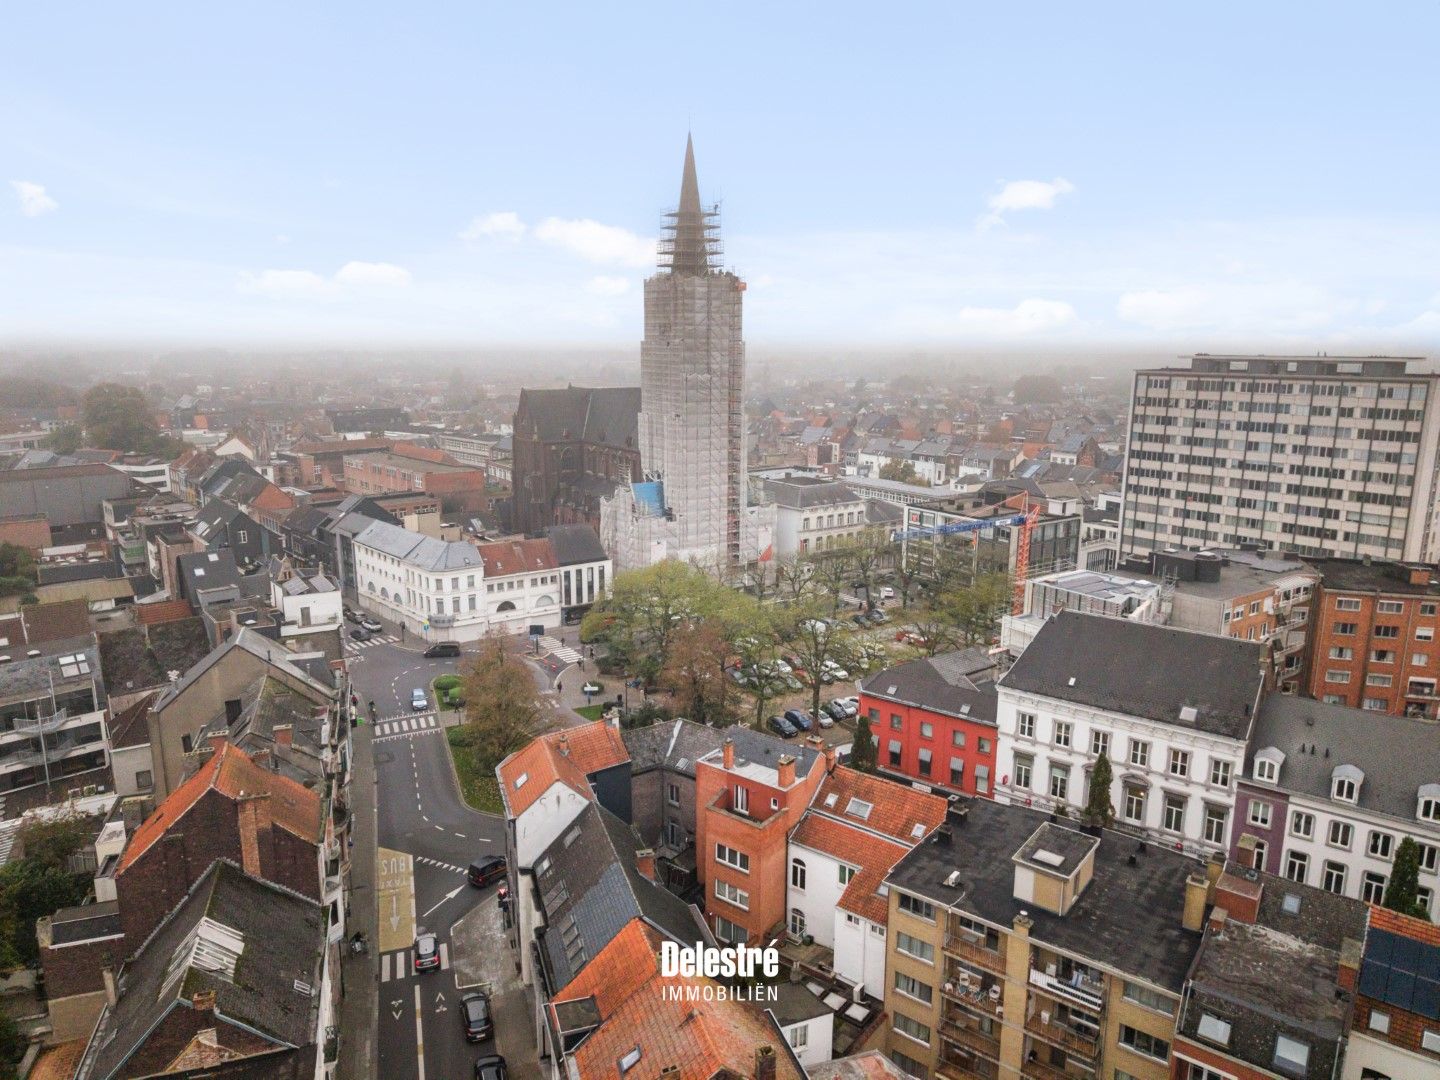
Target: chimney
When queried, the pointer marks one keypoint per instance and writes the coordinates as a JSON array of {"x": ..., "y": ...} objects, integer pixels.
[
  {"x": 218, "y": 739},
  {"x": 1196, "y": 886},
  {"x": 645, "y": 863},
  {"x": 112, "y": 996},
  {"x": 203, "y": 1002},
  {"x": 765, "y": 1063},
  {"x": 254, "y": 816},
  {"x": 1349, "y": 969},
  {"x": 564, "y": 744},
  {"x": 284, "y": 734},
  {"x": 1239, "y": 896},
  {"x": 728, "y": 752},
  {"x": 785, "y": 771}
]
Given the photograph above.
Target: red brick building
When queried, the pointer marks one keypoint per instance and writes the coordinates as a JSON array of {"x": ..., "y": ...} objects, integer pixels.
[
  {"x": 265, "y": 823},
  {"x": 414, "y": 469},
  {"x": 749, "y": 795},
  {"x": 933, "y": 720},
  {"x": 1372, "y": 637},
  {"x": 1395, "y": 1030}
]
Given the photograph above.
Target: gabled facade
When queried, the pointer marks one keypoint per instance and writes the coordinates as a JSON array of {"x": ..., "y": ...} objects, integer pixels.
[{"x": 1395, "y": 1026}]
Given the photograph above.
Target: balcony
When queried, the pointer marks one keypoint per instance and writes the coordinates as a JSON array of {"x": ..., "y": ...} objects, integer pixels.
[
  {"x": 958, "y": 1065},
  {"x": 982, "y": 994},
  {"x": 1078, "y": 990},
  {"x": 963, "y": 1031},
  {"x": 971, "y": 947},
  {"x": 1035, "y": 1069},
  {"x": 1073, "y": 1040}
]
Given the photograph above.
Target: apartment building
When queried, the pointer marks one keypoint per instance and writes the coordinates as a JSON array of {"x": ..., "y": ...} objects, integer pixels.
[
  {"x": 933, "y": 720},
  {"x": 813, "y": 514},
  {"x": 411, "y": 468},
  {"x": 1372, "y": 644},
  {"x": 1021, "y": 947},
  {"x": 1171, "y": 709},
  {"x": 749, "y": 795},
  {"x": 52, "y": 706},
  {"x": 994, "y": 546},
  {"x": 1324, "y": 455},
  {"x": 1120, "y": 596},
  {"x": 1395, "y": 1026},
  {"x": 1269, "y": 993},
  {"x": 1328, "y": 793},
  {"x": 858, "y": 827}
]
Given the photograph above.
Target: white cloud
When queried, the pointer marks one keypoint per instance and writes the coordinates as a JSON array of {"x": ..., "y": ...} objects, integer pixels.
[
  {"x": 1029, "y": 318},
  {"x": 604, "y": 285},
  {"x": 287, "y": 284},
  {"x": 33, "y": 199},
  {"x": 373, "y": 273},
  {"x": 597, "y": 243},
  {"x": 1165, "y": 309},
  {"x": 502, "y": 225},
  {"x": 1024, "y": 195}
]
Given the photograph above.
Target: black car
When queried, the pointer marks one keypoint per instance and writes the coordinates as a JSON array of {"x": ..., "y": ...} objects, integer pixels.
[
  {"x": 475, "y": 1013},
  {"x": 360, "y": 634},
  {"x": 799, "y": 719},
  {"x": 483, "y": 871},
  {"x": 835, "y": 710},
  {"x": 782, "y": 727},
  {"x": 443, "y": 648},
  {"x": 491, "y": 1067}
]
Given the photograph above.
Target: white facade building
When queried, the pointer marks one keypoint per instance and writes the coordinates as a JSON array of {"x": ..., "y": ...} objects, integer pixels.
[
  {"x": 813, "y": 514},
  {"x": 1170, "y": 709}
]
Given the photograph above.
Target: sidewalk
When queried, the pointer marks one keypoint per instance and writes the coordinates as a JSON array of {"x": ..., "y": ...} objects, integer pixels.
[{"x": 360, "y": 1007}]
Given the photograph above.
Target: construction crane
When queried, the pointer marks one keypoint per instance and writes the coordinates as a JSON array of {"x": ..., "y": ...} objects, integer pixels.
[{"x": 1026, "y": 521}]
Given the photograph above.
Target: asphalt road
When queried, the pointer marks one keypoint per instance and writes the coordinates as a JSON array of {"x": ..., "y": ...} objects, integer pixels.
[{"x": 427, "y": 838}]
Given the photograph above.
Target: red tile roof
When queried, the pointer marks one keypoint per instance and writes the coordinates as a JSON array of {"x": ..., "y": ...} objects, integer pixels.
[
  {"x": 1404, "y": 925},
  {"x": 895, "y": 808},
  {"x": 873, "y": 855},
  {"x": 505, "y": 557},
  {"x": 698, "y": 1038},
  {"x": 567, "y": 756},
  {"x": 294, "y": 807}
]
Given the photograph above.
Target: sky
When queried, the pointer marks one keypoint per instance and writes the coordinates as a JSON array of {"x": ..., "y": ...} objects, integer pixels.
[{"x": 1243, "y": 176}]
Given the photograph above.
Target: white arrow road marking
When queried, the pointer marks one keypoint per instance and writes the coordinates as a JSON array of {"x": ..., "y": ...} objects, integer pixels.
[
  {"x": 448, "y": 896},
  {"x": 440, "y": 1005},
  {"x": 394, "y": 914},
  {"x": 396, "y": 1006}
]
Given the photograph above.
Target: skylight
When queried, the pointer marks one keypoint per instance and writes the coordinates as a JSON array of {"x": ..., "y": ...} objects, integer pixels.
[
  {"x": 859, "y": 808},
  {"x": 830, "y": 800},
  {"x": 77, "y": 664},
  {"x": 917, "y": 831},
  {"x": 520, "y": 780},
  {"x": 1049, "y": 858},
  {"x": 212, "y": 947}
]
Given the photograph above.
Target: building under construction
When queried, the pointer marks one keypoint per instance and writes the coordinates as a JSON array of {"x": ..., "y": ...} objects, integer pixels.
[{"x": 691, "y": 503}]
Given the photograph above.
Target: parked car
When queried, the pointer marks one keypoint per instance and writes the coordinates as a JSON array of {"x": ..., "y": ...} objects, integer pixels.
[
  {"x": 443, "y": 648},
  {"x": 782, "y": 727},
  {"x": 475, "y": 1013},
  {"x": 799, "y": 719},
  {"x": 738, "y": 675},
  {"x": 418, "y": 701},
  {"x": 781, "y": 666},
  {"x": 370, "y": 624},
  {"x": 887, "y": 593},
  {"x": 859, "y": 619},
  {"x": 485, "y": 870},
  {"x": 427, "y": 952},
  {"x": 361, "y": 634},
  {"x": 877, "y": 617},
  {"x": 828, "y": 714},
  {"x": 350, "y": 615},
  {"x": 792, "y": 683},
  {"x": 834, "y": 671},
  {"x": 852, "y": 705},
  {"x": 491, "y": 1067}
]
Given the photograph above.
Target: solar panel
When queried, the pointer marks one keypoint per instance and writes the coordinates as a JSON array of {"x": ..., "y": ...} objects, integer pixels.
[{"x": 1402, "y": 972}]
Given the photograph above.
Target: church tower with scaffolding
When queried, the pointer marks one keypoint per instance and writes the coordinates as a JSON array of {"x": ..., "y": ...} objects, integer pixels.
[{"x": 691, "y": 503}]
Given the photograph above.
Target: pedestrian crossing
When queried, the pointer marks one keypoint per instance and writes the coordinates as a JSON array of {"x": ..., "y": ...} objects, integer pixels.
[
  {"x": 403, "y": 966},
  {"x": 559, "y": 650},
  {"x": 442, "y": 865},
  {"x": 417, "y": 724},
  {"x": 351, "y": 645}
]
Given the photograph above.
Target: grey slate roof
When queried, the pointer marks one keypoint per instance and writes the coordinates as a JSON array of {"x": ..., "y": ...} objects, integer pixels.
[
  {"x": 1144, "y": 670},
  {"x": 424, "y": 552},
  {"x": 591, "y": 889},
  {"x": 1129, "y": 917},
  {"x": 607, "y": 415},
  {"x": 575, "y": 544},
  {"x": 1397, "y": 755},
  {"x": 674, "y": 746},
  {"x": 284, "y": 940},
  {"x": 256, "y": 645},
  {"x": 761, "y": 748},
  {"x": 804, "y": 492},
  {"x": 956, "y": 684},
  {"x": 208, "y": 569}
]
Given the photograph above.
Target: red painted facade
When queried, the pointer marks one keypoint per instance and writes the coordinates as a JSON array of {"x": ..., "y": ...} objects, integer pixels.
[{"x": 892, "y": 722}]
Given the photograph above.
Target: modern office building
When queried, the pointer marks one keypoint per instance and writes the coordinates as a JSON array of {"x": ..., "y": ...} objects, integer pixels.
[
  {"x": 1323, "y": 455},
  {"x": 692, "y": 501}
]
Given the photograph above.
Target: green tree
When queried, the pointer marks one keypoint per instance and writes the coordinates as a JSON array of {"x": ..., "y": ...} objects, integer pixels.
[
  {"x": 696, "y": 678},
  {"x": 1098, "y": 810},
  {"x": 862, "y": 749},
  {"x": 1402, "y": 891},
  {"x": 13, "y": 1044},
  {"x": 17, "y": 570},
  {"x": 903, "y": 471},
  {"x": 65, "y": 439},
  {"x": 502, "y": 703},
  {"x": 119, "y": 417},
  {"x": 38, "y": 883},
  {"x": 816, "y": 641}
]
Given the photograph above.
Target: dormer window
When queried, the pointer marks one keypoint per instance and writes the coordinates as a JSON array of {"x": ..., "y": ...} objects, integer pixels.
[
  {"x": 1429, "y": 807},
  {"x": 1345, "y": 783},
  {"x": 1267, "y": 765}
]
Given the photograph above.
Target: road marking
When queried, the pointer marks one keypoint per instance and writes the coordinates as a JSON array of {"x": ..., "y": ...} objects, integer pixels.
[
  {"x": 395, "y": 1008},
  {"x": 461, "y": 835},
  {"x": 440, "y": 827},
  {"x": 419, "y": 1036},
  {"x": 395, "y": 892},
  {"x": 444, "y": 900},
  {"x": 445, "y": 948}
]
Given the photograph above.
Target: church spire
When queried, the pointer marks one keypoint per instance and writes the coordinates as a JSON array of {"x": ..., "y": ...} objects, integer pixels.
[{"x": 689, "y": 242}]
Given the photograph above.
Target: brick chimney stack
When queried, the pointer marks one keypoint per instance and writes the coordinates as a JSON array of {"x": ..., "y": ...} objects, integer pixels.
[
  {"x": 765, "y": 1063},
  {"x": 284, "y": 734},
  {"x": 645, "y": 863},
  {"x": 728, "y": 753},
  {"x": 785, "y": 771},
  {"x": 254, "y": 815},
  {"x": 203, "y": 1002}
]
